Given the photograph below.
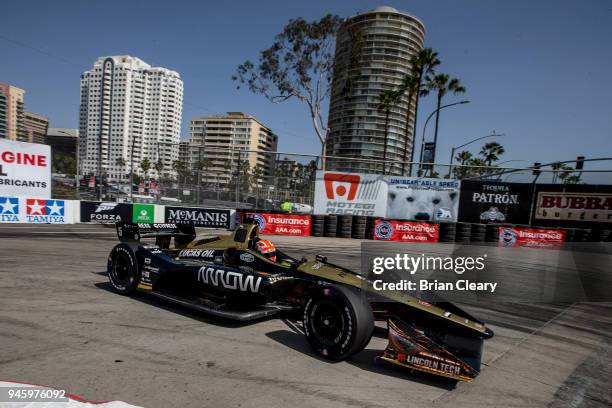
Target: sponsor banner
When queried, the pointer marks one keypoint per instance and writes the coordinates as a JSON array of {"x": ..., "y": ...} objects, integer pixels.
[
  {"x": 571, "y": 208},
  {"x": 281, "y": 224},
  {"x": 35, "y": 210},
  {"x": 143, "y": 213},
  {"x": 9, "y": 209},
  {"x": 105, "y": 212},
  {"x": 422, "y": 199},
  {"x": 405, "y": 231},
  {"x": 531, "y": 237},
  {"x": 200, "y": 217},
  {"x": 495, "y": 202},
  {"x": 350, "y": 193},
  {"x": 25, "y": 169}
]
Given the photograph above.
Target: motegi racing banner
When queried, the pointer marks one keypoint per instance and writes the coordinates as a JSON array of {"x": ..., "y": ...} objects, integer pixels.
[
  {"x": 281, "y": 224},
  {"x": 25, "y": 169},
  {"x": 422, "y": 199},
  {"x": 531, "y": 237},
  {"x": 573, "y": 205},
  {"x": 350, "y": 193},
  {"x": 105, "y": 213},
  {"x": 200, "y": 217},
  {"x": 405, "y": 231},
  {"x": 489, "y": 201}
]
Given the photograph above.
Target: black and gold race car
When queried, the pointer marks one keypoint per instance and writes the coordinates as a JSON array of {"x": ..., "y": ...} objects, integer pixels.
[{"x": 227, "y": 277}]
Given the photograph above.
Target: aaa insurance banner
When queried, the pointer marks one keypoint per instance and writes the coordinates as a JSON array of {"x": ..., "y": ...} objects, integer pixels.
[
  {"x": 25, "y": 169},
  {"x": 405, "y": 231},
  {"x": 350, "y": 193},
  {"x": 281, "y": 224},
  {"x": 531, "y": 237}
]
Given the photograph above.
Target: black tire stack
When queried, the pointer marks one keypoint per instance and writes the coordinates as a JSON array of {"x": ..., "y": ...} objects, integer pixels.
[
  {"x": 492, "y": 232},
  {"x": 318, "y": 225},
  {"x": 330, "y": 226},
  {"x": 369, "y": 227},
  {"x": 463, "y": 232},
  {"x": 446, "y": 232},
  {"x": 479, "y": 232},
  {"x": 582, "y": 235},
  {"x": 359, "y": 227},
  {"x": 599, "y": 235},
  {"x": 345, "y": 226}
]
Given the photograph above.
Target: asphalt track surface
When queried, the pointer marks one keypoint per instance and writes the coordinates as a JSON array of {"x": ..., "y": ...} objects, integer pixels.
[{"x": 61, "y": 325}]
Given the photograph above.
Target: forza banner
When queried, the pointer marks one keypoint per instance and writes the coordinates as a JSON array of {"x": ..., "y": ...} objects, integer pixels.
[
  {"x": 531, "y": 237},
  {"x": 350, "y": 193},
  {"x": 422, "y": 199},
  {"x": 405, "y": 231},
  {"x": 489, "y": 201},
  {"x": 281, "y": 224},
  {"x": 25, "y": 169},
  {"x": 105, "y": 213},
  {"x": 200, "y": 217}
]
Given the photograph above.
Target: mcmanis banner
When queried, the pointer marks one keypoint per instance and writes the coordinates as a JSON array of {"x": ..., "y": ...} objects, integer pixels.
[
  {"x": 573, "y": 205},
  {"x": 200, "y": 217},
  {"x": 495, "y": 202}
]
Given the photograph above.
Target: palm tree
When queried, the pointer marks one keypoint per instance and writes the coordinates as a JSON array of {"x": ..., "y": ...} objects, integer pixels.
[
  {"x": 490, "y": 152},
  {"x": 462, "y": 158},
  {"x": 387, "y": 99},
  {"x": 479, "y": 167},
  {"x": 423, "y": 65},
  {"x": 442, "y": 84},
  {"x": 145, "y": 166},
  {"x": 410, "y": 85}
]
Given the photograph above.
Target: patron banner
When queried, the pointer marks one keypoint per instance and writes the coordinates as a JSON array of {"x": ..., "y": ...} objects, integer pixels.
[
  {"x": 489, "y": 201},
  {"x": 422, "y": 199},
  {"x": 200, "y": 217},
  {"x": 280, "y": 224},
  {"x": 350, "y": 193},
  {"x": 405, "y": 231},
  {"x": 105, "y": 213},
  {"x": 25, "y": 169},
  {"x": 531, "y": 237}
]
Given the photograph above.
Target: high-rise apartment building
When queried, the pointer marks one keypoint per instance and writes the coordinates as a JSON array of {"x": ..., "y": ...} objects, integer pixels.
[
  {"x": 373, "y": 52},
  {"x": 36, "y": 127},
  {"x": 11, "y": 113},
  {"x": 225, "y": 142},
  {"x": 130, "y": 111}
]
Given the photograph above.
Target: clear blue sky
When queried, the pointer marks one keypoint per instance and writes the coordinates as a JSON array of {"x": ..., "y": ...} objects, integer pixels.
[{"x": 538, "y": 71}]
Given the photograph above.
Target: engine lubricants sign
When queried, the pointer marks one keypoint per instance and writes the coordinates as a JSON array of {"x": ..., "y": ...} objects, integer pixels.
[
  {"x": 422, "y": 199},
  {"x": 25, "y": 169},
  {"x": 281, "y": 224},
  {"x": 531, "y": 237},
  {"x": 200, "y": 217},
  {"x": 350, "y": 193},
  {"x": 574, "y": 206},
  {"x": 495, "y": 202},
  {"x": 405, "y": 231},
  {"x": 105, "y": 212}
]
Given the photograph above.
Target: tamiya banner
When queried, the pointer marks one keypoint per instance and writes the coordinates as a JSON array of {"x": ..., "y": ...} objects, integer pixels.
[
  {"x": 490, "y": 201},
  {"x": 35, "y": 210},
  {"x": 575, "y": 206},
  {"x": 25, "y": 169},
  {"x": 200, "y": 217},
  {"x": 350, "y": 193},
  {"x": 281, "y": 224},
  {"x": 405, "y": 231},
  {"x": 422, "y": 199},
  {"x": 106, "y": 213},
  {"x": 531, "y": 237}
]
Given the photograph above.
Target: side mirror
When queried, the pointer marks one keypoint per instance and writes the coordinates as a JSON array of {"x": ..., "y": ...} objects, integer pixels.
[{"x": 321, "y": 258}]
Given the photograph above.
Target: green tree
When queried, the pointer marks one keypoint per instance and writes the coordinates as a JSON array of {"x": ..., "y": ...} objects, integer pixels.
[
  {"x": 145, "y": 166},
  {"x": 491, "y": 152},
  {"x": 299, "y": 65},
  {"x": 462, "y": 157},
  {"x": 410, "y": 85},
  {"x": 442, "y": 84},
  {"x": 387, "y": 99}
]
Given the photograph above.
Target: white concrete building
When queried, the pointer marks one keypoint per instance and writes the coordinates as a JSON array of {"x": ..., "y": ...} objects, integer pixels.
[{"x": 126, "y": 102}]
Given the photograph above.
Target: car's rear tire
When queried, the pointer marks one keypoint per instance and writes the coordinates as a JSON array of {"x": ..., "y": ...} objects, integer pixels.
[
  {"x": 338, "y": 322},
  {"x": 123, "y": 270}
]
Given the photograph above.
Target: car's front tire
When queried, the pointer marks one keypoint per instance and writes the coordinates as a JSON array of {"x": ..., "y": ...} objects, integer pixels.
[
  {"x": 123, "y": 270},
  {"x": 338, "y": 322}
]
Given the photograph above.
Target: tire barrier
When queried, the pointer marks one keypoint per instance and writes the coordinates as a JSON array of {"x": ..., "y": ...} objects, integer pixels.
[
  {"x": 463, "y": 232},
  {"x": 447, "y": 232},
  {"x": 345, "y": 226},
  {"x": 358, "y": 230},
  {"x": 369, "y": 227},
  {"x": 318, "y": 225},
  {"x": 330, "y": 226},
  {"x": 479, "y": 232}
]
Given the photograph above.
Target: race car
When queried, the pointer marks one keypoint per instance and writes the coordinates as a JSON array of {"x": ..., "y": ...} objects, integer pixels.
[{"x": 242, "y": 277}]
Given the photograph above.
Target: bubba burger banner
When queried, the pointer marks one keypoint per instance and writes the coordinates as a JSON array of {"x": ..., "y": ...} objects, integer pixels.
[
  {"x": 489, "y": 201},
  {"x": 25, "y": 169},
  {"x": 405, "y": 231},
  {"x": 350, "y": 193},
  {"x": 574, "y": 205},
  {"x": 280, "y": 224},
  {"x": 531, "y": 237}
]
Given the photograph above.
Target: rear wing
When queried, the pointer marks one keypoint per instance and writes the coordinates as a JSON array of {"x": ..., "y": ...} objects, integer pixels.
[{"x": 182, "y": 233}]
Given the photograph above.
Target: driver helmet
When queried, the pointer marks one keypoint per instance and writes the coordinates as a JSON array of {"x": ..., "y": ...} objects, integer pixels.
[{"x": 266, "y": 248}]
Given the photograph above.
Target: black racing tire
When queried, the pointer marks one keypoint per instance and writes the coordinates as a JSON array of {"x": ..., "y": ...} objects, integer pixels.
[
  {"x": 123, "y": 270},
  {"x": 338, "y": 322}
]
